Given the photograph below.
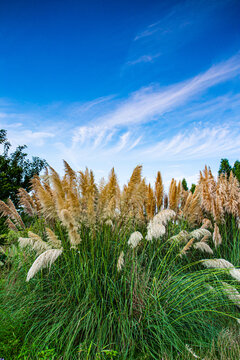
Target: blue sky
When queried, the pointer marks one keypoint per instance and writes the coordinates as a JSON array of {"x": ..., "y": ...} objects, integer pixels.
[{"x": 121, "y": 83}]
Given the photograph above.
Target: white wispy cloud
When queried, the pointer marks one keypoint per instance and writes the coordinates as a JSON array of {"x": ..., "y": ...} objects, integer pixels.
[
  {"x": 27, "y": 137},
  {"x": 150, "y": 30},
  {"x": 181, "y": 18},
  {"x": 150, "y": 103},
  {"x": 197, "y": 143},
  {"x": 143, "y": 59},
  {"x": 126, "y": 129}
]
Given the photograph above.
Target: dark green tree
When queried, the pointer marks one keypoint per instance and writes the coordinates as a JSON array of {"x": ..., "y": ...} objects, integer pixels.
[
  {"x": 16, "y": 170},
  {"x": 236, "y": 169},
  {"x": 184, "y": 184},
  {"x": 193, "y": 187},
  {"x": 225, "y": 167}
]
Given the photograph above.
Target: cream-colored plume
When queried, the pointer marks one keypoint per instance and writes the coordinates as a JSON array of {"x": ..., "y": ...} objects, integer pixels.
[
  {"x": 203, "y": 247},
  {"x": 44, "y": 260},
  {"x": 134, "y": 239},
  {"x": 164, "y": 216},
  {"x": 120, "y": 262},
  {"x": 199, "y": 233},
  {"x": 231, "y": 293},
  {"x": 183, "y": 236},
  {"x": 217, "y": 239},
  {"x": 155, "y": 230},
  {"x": 53, "y": 239},
  {"x": 218, "y": 264}
]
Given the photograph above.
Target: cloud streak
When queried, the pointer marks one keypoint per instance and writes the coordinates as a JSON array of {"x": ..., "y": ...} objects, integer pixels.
[
  {"x": 153, "y": 104},
  {"x": 148, "y": 104},
  {"x": 143, "y": 59},
  {"x": 197, "y": 143}
]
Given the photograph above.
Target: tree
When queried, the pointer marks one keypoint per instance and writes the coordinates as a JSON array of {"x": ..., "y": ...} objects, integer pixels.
[
  {"x": 16, "y": 170},
  {"x": 193, "y": 187},
  {"x": 184, "y": 184},
  {"x": 236, "y": 169},
  {"x": 225, "y": 167}
]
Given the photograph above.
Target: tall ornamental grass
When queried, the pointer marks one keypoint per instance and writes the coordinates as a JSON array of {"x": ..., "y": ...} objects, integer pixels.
[
  {"x": 101, "y": 273},
  {"x": 157, "y": 304}
]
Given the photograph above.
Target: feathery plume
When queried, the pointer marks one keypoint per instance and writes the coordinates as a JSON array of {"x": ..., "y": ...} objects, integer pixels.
[
  {"x": 5, "y": 210},
  {"x": 217, "y": 239},
  {"x": 109, "y": 222},
  {"x": 164, "y": 216},
  {"x": 206, "y": 224},
  {"x": 91, "y": 198},
  {"x": 35, "y": 243},
  {"x": 183, "y": 236},
  {"x": 66, "y": 218},
  {"x": 232, "y": 202},
  {"x": 155, "y": 230},
  {"x": 150, "y": 203},
  {"x": 44, "y": 260},
  {"x": 11, "y": 225},
  {"x": 172, "y": 195},
  {"x": 231, "y": 293},
  {"x": 38, "y": 244},
  {"x": 57, "y": 183},
  {"x": 218, "y": 264},
  {"x": 235, "y": 273},
  {"x": 191, "y": 210},
  {"x": 24, "y": 242},
  {"x": 34, "y": 236},
  {"x": 134, "y": 239},
  {"x": 111, "y": 195},
  {"x": 53, "y": 239},
  {"x": 15, "y": 213},
  {"x": 134, "y": 195},
  {"x": 74, "y": 237},
  {"x": 27, "y": 202},
  {"x": 11, "y": 212},
  {"x": 46, "y": 199},
  {"x": 83, "y": 185},
  {"x": 198, "y": 233},
  {"x": 205, "y": 239},
  {"x": 69, "y": 172},
  {"x": 159, "y": 191},
  {"x": 74, "y": 203},
  {"x": 187, "y": 247},
  {"x": 120, "y": 262},
  {"x": 202, "y": 246},
  {"x": 165, "y": 201}
]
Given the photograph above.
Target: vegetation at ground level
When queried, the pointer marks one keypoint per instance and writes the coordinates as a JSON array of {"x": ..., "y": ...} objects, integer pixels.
[{"x": 90, "y": 271}]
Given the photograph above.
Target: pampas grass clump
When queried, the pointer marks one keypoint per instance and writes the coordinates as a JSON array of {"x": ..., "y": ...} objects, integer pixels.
[{"x": 104, "y": 294}]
